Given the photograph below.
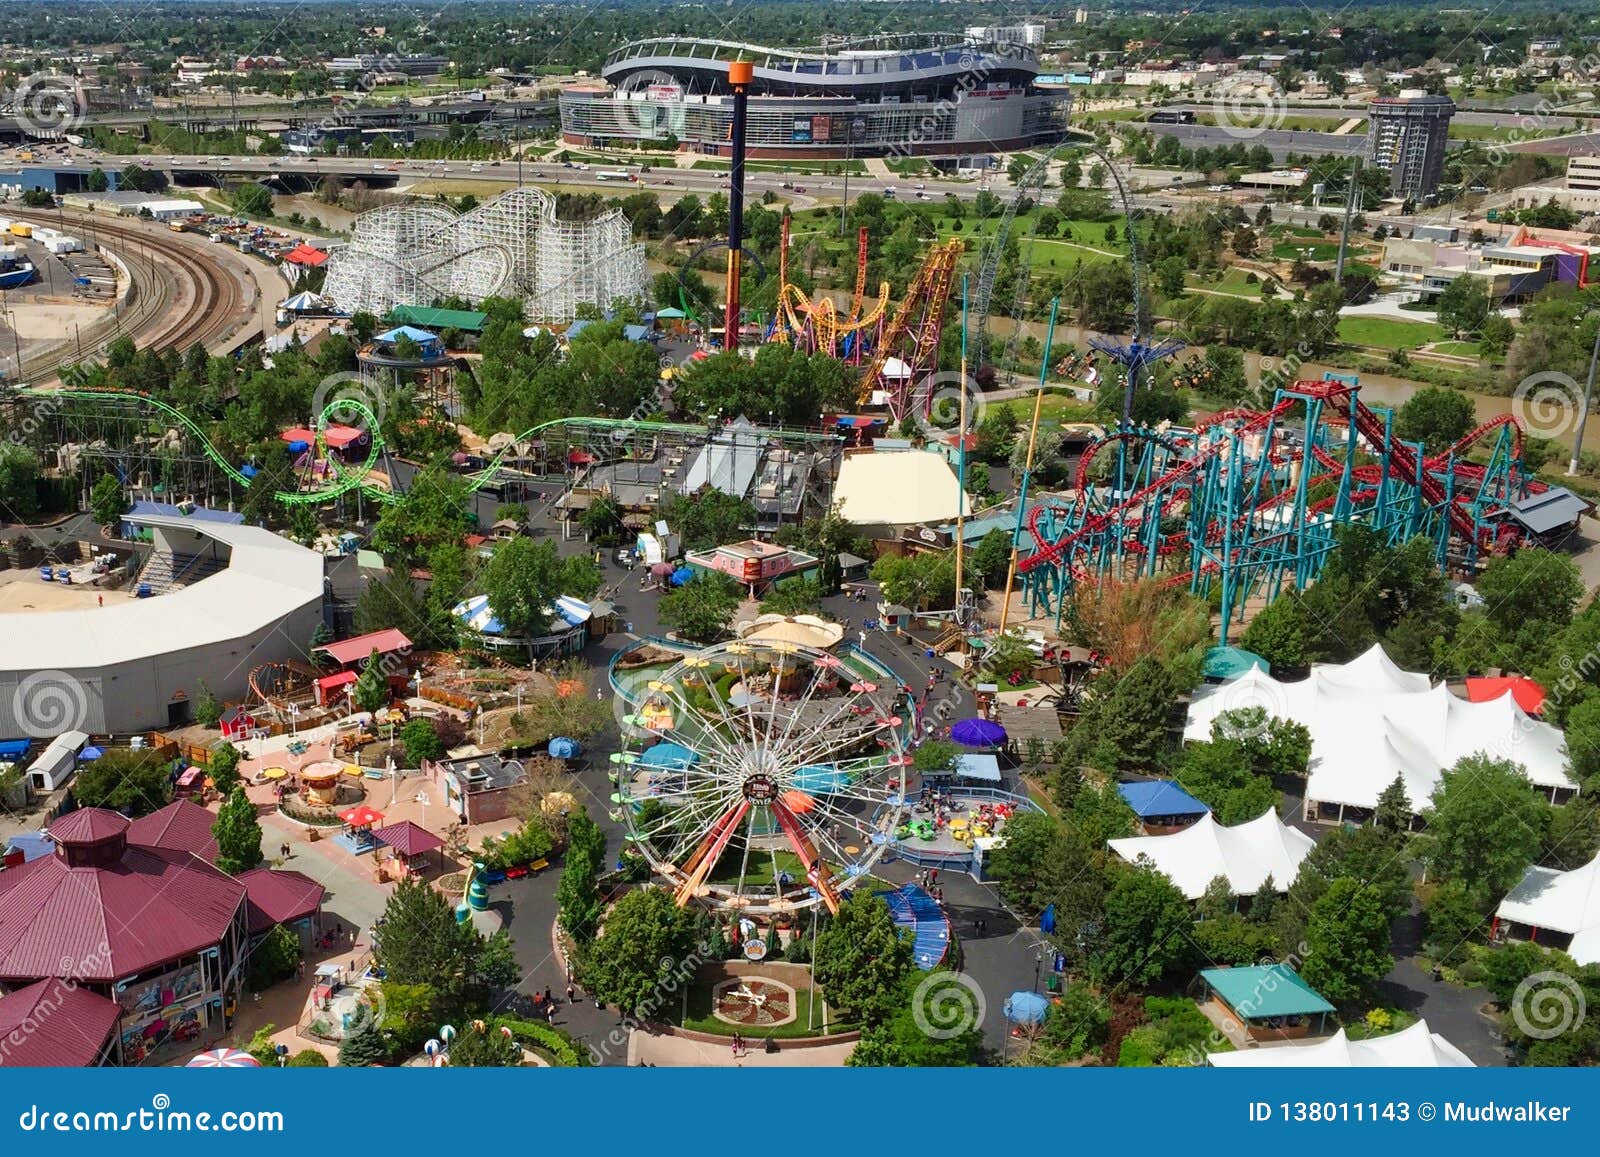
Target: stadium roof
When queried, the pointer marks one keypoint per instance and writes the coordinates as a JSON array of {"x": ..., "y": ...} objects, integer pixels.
[
  {"x": 1410, "y": 1048},
  {"x": 1561, "y": 902},
  {"x": 1371, "y": 721},
  {"x": 267, "y": 579},
  {"x": 1245, "y": 855}
]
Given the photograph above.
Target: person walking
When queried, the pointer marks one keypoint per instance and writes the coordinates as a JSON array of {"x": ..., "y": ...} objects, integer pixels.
[{"x": 571, "y": 992}]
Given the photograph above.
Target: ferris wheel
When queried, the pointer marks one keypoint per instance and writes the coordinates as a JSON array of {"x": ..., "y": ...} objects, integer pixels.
[{"x": 772, "y": 776}]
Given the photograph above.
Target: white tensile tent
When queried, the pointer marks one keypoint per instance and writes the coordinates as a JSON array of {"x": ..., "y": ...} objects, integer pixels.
[
  {"x": 1566, "y": 902},
  {"x": 1410, "y": 1048},
  {"x": 1245, "y": 855},
  {"x": 1370, "y": 722}
]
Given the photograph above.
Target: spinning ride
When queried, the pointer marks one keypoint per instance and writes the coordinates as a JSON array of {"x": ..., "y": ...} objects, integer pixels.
[{"x": 776, "y": 780}]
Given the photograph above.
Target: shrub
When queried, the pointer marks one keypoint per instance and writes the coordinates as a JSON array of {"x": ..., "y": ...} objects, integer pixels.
[
  {"x": 549, "y": 1040},
  {"x": 308, "y": 1059}
]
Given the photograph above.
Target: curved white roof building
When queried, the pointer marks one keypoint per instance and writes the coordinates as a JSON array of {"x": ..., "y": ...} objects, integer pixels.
[
  {"x": 1552, "y": 907},
  {"x": 1411, "y": 1048},
  {"x": 1370, "y": 722},
  {"x": 136, "y": 664}
]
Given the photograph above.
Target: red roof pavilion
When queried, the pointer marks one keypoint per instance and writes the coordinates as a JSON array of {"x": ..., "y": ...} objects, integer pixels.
[
  {"x": 53, "y": 1023},
  {"x": 347, "y": 651},
  {"x": 279, "y": 896},
  {"x": 183, "y": 826}
]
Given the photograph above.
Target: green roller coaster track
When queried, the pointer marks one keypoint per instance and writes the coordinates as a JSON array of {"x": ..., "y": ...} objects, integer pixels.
[{"x": 349, "y": 478}]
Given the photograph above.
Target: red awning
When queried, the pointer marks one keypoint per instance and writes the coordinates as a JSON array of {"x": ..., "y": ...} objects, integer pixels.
[
  {"x": 339, "y": 679},
  {"x": 1528, "y": 694},
  {"x": 298, "y": 434},
  {"x": 362, "y": 816},
  {"x": 354, "y": 650},
  {"x": 341, "y": 436},
  {"x": 303, "y": 254}
]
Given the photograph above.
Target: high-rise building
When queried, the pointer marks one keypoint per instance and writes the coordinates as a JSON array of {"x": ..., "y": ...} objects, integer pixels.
[
  {"x": 1081, "y": 16},
  {"x": 1406, "y": 137}
]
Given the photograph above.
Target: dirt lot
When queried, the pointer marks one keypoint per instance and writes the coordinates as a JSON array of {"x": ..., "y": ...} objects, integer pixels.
[{"x": 24, "y": 590}]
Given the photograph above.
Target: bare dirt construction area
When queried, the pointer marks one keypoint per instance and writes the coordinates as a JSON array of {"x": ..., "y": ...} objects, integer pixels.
[
  {"x": 46, "y": 319},
  {"x": 24, "y": 590}
]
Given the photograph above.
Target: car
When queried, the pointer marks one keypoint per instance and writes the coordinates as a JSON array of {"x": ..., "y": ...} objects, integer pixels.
[
  {"x": 919, "y": 185},
  {"x": 378, "y": 168},
  {"x": 494, "y": 164},
  {"x": 622, "y": 556},
  {"x": 475, "y": 169},
  {"x": 799, "y": 188}
]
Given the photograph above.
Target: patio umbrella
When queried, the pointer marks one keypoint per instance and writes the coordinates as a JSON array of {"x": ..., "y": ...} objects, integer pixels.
[
  {"x": 361, "y": 817},
  {"x": 89, "y": 753},
  {"x": 563, "y": 748},
  {"x": 1026, "y": 1008},
  {"x": 661, "y": 569},
  {"x": 274, "y": 773},
  {"x": 224, "y": 1059},
  {"x": 978, "y": 733}
]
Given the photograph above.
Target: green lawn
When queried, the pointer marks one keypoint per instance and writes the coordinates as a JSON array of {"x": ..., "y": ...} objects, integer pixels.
[
  {"x": 1465, "y": 349},
  {"x": 1319, "y": 250},
  {"x": 758, "y": 873},
  {"x": 1232, "y": 281},
  {"x": 700, "y": 1018},
  {"x": 1388, "y": 333}
]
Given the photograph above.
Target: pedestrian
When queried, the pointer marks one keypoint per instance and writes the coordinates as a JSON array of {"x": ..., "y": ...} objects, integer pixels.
[
  {"x": 548, "y": 999},
  {"x": 933, "y": 875},
  {"x": 571, "y": 992},
  {"x": 102, "y": 599},
  {"x": 300, "y": 968},
  {"x": 550, "y": 1013}
]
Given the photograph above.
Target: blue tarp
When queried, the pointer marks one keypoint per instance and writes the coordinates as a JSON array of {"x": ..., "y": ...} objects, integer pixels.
[
  {"x": 248, "y": 470},
  {"x": 89, "y": 754},
  {"x": 166, "y": 510},
  {"x": 578, "y": 327},
  {"x": 563, "y": 748},
  {"x": 668, "y": 755},
  {"x": 680, "y": 576},
  {"x": 14, "y": 749},
  {"x": 636, "y": 332},
  {"x": 32, "y": 845},
  {"x": 1160, "y": 797},
  {"x": 918, "y": 912},
  {"x": 1026, "y": 1008}
]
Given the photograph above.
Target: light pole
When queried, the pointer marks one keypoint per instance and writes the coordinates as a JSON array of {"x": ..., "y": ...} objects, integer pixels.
[{"x": 1583, "y": 411}]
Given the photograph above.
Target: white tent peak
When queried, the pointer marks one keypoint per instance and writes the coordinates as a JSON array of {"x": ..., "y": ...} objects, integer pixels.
[
  {"x": 1245, "y": 854},
  {"x": 1416, "y": 1047}
]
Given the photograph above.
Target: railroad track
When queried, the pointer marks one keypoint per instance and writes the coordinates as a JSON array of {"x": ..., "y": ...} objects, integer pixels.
[{"x": 179, "y": 295}]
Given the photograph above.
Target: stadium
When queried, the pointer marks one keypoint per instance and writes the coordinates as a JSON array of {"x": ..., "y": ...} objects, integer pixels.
[
  {"x": 223, "y": 598},
  {"x": 928, "y": 95}
]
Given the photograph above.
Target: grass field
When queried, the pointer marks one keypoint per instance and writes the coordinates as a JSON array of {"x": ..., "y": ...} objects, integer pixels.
[
  {"x": 1311, "y": 250},
  {"x": 1461, "y": 349},
  {"x": 1388, "y": 333},
  {"x": 1232, "y": 282},
  {"x": 699, "y": 1017}
]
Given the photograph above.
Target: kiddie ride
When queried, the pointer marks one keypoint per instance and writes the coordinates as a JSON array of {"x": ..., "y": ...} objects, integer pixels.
[{"x": 1249, "y": 503}]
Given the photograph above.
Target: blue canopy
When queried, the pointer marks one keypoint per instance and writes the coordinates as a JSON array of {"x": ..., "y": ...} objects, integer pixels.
[
  {"x": 1047, "y": 919},
  {"x": 1230, "y": 662},
  {"x": 248, "y": 470},
  {"x": 1160, "y": 797},
  {"x": 919, "y": 913},
  {"x": 978, "y": 733},
  {"x": 14, "y": 748},
  {"x": 635, "y": 332},
  {"x": 820, "y": 780},
  {"x": 299, "y": 446},
  {"x": 563, "y": 748},
  {"x": 680, "y": 576},
  {"x": 668, "y": 755},
  {"x": 984, "y": 767},
  {"x": 421, "y": 336},
  {"x": 89, "y": 753},
  {"x": 1026, "y": 1008}
]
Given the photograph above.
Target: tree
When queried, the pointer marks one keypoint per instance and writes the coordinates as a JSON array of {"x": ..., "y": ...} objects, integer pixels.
[
  {"x": 525, "y": 578},
  {"x": 793, "y": 598},
  {"x": 132, "y": 782},
  {"x": 1532, "y": 588},
  {"x": 371, "y": 690},
  {"x": 701, "y": 609},
  {"x": 238, "y": 834},
  {"x": 1347, "y": 941},
  {"x": 1485, "y": 826},
  {"x": 1393, "y": 813},
  {"x": 709, "y": 519},
  {"x": 207, "y": 711},
  {"x": 862, "y": 960},
  {"x": 1220, "y": 775},
  {"x": 1147, "y": 928},
  {"x": 364, "y": 1045},
  {"x": 903, "y": 1041},
  {"x": 253, "y": 200},
  {"x": 1133, "y": 726},
  {"x": 645, "y": 942},
  {"x": 992, "y": 558},
  {"x": 421, "y": 740},
  {"x": 482, "y": 1048},
  {"x": 307, "y": 1059},
  {"x": 108, "y": 500},
  {"x": 1463, "y": 305},
  {"x": 1276, "y": 635},
  {"x": 19, "y": 482},
  {"x": 578, "y": 900},
  {"x": 918, "y": 581},
  {"x": 274, "y": 957},
  {"x": 1436, "y": 417},
  {"x": 420, "y": 942},
  {"x": 223, "y": 768},
  {"x": 1453, "y": 922}
]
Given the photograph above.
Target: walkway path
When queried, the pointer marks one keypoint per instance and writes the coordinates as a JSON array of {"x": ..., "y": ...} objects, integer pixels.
[{"x": 672, "y": 1052}]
